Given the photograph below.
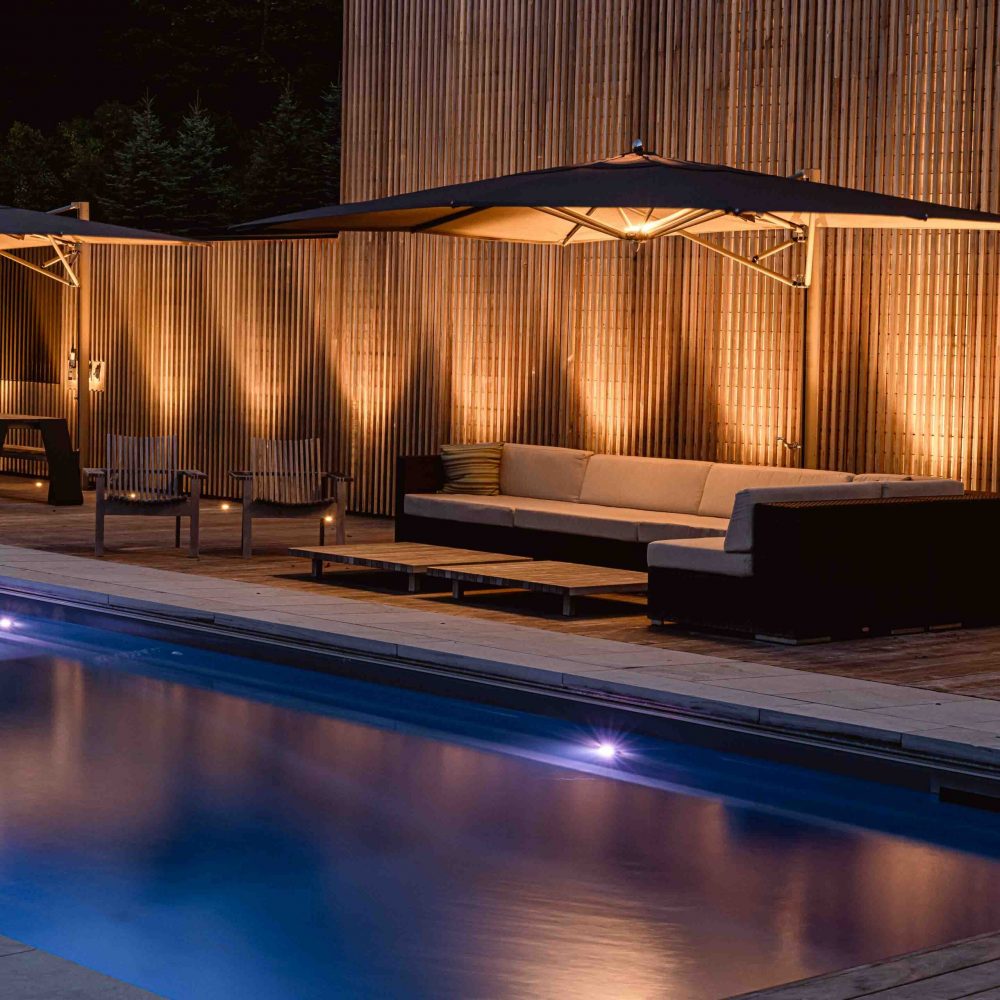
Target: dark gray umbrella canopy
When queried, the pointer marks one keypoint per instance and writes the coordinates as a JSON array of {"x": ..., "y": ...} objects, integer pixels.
[
  {"x": 21, "y": 228},
  {"x": 637, "y": 196}
]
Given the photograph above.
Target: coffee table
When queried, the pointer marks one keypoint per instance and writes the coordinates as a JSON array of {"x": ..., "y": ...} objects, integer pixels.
[
  {"x": 411, "y": 558},
  {"x": 569, "y": 580}
]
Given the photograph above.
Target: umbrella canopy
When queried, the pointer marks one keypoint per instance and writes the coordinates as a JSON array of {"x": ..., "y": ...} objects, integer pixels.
[
  {"x": 22, "y": 229},
  {"x": 634, "y": 196},
  {"x": 637, "y": 197}
]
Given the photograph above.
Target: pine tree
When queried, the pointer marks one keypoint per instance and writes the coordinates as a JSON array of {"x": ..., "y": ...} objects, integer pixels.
[
  {"x": 28, "y": 177},
  {"x": 142, "y": 185},
  {"x": 202, "y": 178},
  {"x": 330, "y": 155},
  {"x": 288, "y": 161}
]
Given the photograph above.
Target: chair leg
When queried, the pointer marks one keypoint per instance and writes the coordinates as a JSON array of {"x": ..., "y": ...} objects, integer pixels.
[
  {"x": 246, "y": 534},
  {"x": 195, "y": 536},
  {"x": 340, "y": 513},
  {"x": 322, "y": 531},
  {"x": 99, "y": 523},
  {"x": 177, "y": 532}
]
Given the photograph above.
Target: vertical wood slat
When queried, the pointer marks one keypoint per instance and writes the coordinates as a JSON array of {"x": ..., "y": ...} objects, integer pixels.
[{"x": 381, "y": 344}]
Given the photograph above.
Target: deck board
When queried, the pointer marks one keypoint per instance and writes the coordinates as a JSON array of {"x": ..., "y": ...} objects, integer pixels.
[
  {"x": 959, "y": 662},
  {"x": 963, "y": 969}
]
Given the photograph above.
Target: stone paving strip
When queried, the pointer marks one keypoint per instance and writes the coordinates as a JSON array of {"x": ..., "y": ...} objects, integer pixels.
[
  {"x": 29, "y": 974},
  {"x": 953, "y": 727}
]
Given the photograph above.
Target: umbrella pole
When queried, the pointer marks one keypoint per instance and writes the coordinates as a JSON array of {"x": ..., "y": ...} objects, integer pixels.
[
  {"x": 83, "y": 347},
  {"x": 811, "y": 347}
]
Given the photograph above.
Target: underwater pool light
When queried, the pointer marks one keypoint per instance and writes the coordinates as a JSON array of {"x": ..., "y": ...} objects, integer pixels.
[
  {"x": 606, "y": 750},
  {"x": 6, "y": 623}
]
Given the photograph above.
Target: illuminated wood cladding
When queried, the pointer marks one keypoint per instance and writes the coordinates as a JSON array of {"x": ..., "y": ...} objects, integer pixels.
[
  {"x": 673, "y": 351},
  {"x": 388, "y": 343}
]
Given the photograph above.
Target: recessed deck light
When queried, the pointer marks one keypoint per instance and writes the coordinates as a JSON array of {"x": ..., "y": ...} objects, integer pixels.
[
  {"x": 39, "y": 484},
  {"x": 224, "y": 506}
]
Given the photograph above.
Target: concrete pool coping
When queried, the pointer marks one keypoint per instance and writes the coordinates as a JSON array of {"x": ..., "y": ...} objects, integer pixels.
[
  {"x": 956, "y": 729},
  {"x": 27, "y": 973}
]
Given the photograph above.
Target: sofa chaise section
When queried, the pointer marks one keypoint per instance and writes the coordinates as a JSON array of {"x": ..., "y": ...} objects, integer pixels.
[{"x": 807, "y": 564}]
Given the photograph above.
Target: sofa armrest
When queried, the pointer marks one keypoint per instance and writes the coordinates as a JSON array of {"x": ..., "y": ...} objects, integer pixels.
[{"x": 417, "y": 474}]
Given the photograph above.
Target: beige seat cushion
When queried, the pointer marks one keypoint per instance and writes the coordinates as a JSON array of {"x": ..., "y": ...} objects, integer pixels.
[
  {"x": 663, "y": 484},
  {"x": 739, "y": 537},
  {"x": 923, "y": 488},
  {"x": 528, "y": 470},
  {"x": 725, "y": 481},
  {"x": 655, "y": 526},
  {"x": 701, "y": 555},
  {"x": 578, "y": 519},
  {"x": 457, "y": 507}
]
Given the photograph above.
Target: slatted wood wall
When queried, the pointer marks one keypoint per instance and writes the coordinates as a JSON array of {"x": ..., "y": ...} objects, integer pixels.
[
  {"x": 384, "y": 344},
  {"x": 675, "y": 352}
]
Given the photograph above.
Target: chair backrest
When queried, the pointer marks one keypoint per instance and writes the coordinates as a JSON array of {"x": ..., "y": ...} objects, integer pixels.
[
  {"x": 286, "y": 471},
  {"x": 142, "y": 468}
]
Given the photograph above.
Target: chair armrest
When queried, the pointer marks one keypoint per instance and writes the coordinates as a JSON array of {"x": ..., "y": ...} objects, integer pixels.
[
  {"x": 192, "y": 473},
  {"x": 340, "y": 477},
  {"x": 241, "y": 475},
  {"x": 96, "y": 473}
]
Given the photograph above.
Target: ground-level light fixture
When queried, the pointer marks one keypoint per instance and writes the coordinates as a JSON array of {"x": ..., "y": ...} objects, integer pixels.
[
  {"x": 39, "y": 484},
  {"x": 224, "y": 506}
]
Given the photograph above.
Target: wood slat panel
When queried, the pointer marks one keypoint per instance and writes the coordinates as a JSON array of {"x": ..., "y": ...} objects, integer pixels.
[{"x": 381, "y": 344}]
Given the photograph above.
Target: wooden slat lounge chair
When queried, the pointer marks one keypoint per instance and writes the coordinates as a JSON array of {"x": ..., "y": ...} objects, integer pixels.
[
  {"x": 142, "y": 478},
  {"x": 285, "y": 480}
]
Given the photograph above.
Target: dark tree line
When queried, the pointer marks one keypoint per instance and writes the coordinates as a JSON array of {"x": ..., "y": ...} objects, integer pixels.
[{"x": 210, "y": 112}]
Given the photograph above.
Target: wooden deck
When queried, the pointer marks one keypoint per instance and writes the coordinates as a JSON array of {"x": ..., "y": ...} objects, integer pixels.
[
  {"x": 963, "y": 970},
  {"x": 966, "y": 662}
]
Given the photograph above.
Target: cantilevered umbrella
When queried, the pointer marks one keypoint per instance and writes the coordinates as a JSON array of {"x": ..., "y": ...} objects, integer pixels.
[
  {"x": 636, "y": 197},
  {"x": 22, "y": 229}
]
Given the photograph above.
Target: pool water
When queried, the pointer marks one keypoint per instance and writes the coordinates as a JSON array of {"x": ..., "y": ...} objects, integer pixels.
[{"x": 207, "y": 826}]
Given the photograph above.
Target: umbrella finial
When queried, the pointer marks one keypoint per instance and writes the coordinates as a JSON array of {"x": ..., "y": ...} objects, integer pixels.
[{"x": 638, "y": 148}]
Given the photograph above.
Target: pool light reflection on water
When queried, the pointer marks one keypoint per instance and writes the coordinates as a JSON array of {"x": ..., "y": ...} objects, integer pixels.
[{"x": 217, "y": 843}]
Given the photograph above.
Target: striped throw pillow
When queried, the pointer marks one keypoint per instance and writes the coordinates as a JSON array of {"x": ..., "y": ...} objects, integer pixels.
[{"x": 471, "y": 468}]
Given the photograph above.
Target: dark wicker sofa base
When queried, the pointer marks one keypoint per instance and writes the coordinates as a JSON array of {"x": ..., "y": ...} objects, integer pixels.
[{"x": 848, "y": 568}]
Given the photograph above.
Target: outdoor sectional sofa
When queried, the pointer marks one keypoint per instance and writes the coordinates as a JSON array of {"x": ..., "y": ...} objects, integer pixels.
[{"x": 787, "y": 553}]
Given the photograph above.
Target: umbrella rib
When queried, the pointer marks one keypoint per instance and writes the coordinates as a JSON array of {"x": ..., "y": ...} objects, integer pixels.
[
  {"x": 444, "y": 220},
  {"x": 70, "y": 273},
  {"x": 568, "y": 215}
]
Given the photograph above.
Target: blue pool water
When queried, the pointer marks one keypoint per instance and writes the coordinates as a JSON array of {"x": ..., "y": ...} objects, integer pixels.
[{"x": 291, "y": 835}]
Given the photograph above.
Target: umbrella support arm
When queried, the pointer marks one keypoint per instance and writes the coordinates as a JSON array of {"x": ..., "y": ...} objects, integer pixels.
[
  {"x": 754, "y": 262},
  {"x": 69, "y": 277}
]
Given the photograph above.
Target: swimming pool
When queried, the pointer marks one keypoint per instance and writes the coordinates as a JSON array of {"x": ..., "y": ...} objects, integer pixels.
[{"x": 210, "y": 826}]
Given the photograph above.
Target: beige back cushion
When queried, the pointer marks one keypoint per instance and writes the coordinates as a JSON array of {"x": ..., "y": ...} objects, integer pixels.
[
  {"x": 725, "y": 481},
  {"x": 739, "y": 536},
  {"x": 530, "y": 470},
  {"x": 471, "y": 468},
  {"x": 880, "y": 477},
  {"x": 923, "y": 488},
  {"x": 666, "y": 484}
]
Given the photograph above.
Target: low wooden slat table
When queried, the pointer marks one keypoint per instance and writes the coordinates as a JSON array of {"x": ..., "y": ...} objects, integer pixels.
[
  {"x": 568, "y": 580},
  {"x": 411, "y": 558}
]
